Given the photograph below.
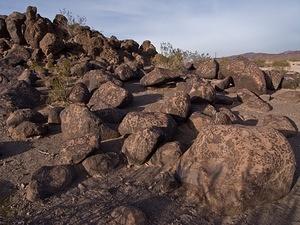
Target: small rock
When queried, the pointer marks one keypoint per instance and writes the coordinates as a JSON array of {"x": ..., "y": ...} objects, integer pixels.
[{"x": 79, "y": 94}]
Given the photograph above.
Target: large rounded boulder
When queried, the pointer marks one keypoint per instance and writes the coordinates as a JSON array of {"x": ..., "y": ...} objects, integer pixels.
[
  {"x": 232, "y": 168},
  {"x": 245, "y": 74}
]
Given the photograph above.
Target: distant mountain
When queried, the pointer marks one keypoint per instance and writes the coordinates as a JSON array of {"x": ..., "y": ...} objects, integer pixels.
[{"x": 288, "y": 55}]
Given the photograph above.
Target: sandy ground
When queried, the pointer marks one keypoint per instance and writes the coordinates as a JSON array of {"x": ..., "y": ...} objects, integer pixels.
[{"x": 90, "y": 200}]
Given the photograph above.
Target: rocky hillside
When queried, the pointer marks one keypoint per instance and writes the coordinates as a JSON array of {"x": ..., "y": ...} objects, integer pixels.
[
  {"x": 92, "y": 132},
  {"x": 288, "y": 55}
]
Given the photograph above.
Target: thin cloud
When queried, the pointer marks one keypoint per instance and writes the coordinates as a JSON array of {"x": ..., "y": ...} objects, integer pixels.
[{"x": 226, "y": 27}]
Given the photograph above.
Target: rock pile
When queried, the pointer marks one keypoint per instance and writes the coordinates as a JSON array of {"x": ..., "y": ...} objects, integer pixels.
[{"x": 191, "y": 132}]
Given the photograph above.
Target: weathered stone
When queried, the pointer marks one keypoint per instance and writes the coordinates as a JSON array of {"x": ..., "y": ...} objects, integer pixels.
[
  {"x": 289, "y": 83},
  {"x": 159, "y": 76},
  {"x": 233, "y": 117},
  {"x": 245, "y": 74},
  {"x": 3, "y": 30},
  {"x": 110, "y": 94},
  {"x": 79, "y": 94},
  {"x": 137, "y": 121},
  {"x": 280, "y": 123},
  {"x": 273, "y": 79},
  {"x": 207, "y": 69},
  {"x": 101, "y": 164},
  {"x": 95, "y": 78},
  {"x": 80, "y": 68},
  {"x": 28, "y": 76},
  {"x": 3, "y": 45},
  {"x": 128, "y": 215},
  {"x": 49, "y": 180},
  {"x": 124, "y": 72},
  {"x": 130, "y": 46},
  {"x": 54, "y": 114},
  {"x": 198, "y": 91},
  {"x": 237, "y": 167},
  {"x": 26, "y": 130},
  {"x": 221, "y": 85},
  {"x": 109, "y": 131},
  {"x": 139, "y": 146},
  {"x": 77, "y": 121},
  {"x": 19, "y": 96},
  {"x": 15, "y": 26},
  {"x": 17, "y": 55},
  {"x": 111, "y": 115},
  {"x": 177, "y": 104},
  {"x": 288, "y": 96},
  {"x": 253, "y": 102},
  {"x": 50, "y": 44},
  {"x": 36, "y": 27},
  {"x": 22, "y": 115},
  {"x": 166, "y": 155},
  {"x": 76, "y": 150},
  {"x": 147, "y": 49}
]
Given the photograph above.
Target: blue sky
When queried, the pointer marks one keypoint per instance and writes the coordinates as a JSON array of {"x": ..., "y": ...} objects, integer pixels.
[{"x": 223, "y": 26}]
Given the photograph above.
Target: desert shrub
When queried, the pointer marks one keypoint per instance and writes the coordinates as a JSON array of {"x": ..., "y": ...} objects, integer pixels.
[
  {"x": 175, "y": 58},
  {"x": 59, "y": 82},
  {"x": 281, "y": 64},
  {"x": 261, "y": 62},
  {"x": 72, "y": 20}
]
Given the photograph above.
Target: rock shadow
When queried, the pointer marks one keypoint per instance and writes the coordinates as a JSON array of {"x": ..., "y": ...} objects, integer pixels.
[{"x": 11, "y": 148}]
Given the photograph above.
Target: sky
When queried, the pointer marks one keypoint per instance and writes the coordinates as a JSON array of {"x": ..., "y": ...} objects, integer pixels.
[{"x": 221, "y": 27}]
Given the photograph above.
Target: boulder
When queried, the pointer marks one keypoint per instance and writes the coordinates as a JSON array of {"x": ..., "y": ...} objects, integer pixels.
[
  {"x": 245, "y": 74},
  {"x": 288, "y": 96},
  {"x": 28, "y": 76},
  {"x": 177, "y": 104},
  {"x": 76, "y": 150},
  {"x": 22, "y": 115},
  {"x": 167, "y": 155},
  {"x": 109, "y": 131},
  {"x": 36, "y": 27},
  {"x": 207, "y": 69},
  {"x": 253, "y": 102},
  {"x": 273, "y": 79},
  {"x": 49, "y": 180},
  {"x": 128, "y": 215},
  {"x": 112, "y": 95},
  {"x": 77, "y": 121},
  {"x": 50, "y": 44},
  {"x": 139, "y": 146},
  {"x": 289, "y": 83},
  {"x": 137, "y": 121},
  {"x": 19, "y": 96},
  {"x": 159, "y": 76},
  {"x": 3, "y": 30},
  {"x": 26, "y": 130},
  {"x": 54, "y": 114},
  {"x": 198, "y": 121},
  {"x": 198, "y": 91},
  {"x": 281, "y": 123},
  {"x": 111, "y": 115},
  {"x": 101, "y": 164},
  {"x": 95, "y": 78},
  {"x": 221, "y": 85},
  {"x": 124, "y": 72},
  {"x": 17, "y": 55},
  {"x": 130, "y": 46},
  {"x": 79, "y": 94},
  {"x": 15, "y": 27},
  {"x": 234, "y": 168},
  {"x": 147, "y": 49}
]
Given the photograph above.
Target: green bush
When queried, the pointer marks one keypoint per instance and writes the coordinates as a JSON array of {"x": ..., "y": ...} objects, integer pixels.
[
  {"x": 281, "y": 64},
  {"x": 261, "y": 62},
  {"x": 174, "y": 58},
  {"x": 59, "y": 83}
]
